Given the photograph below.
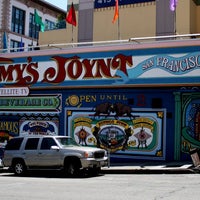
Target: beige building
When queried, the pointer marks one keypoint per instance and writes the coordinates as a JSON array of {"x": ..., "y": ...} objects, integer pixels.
[{"x": 152, "y": 18}]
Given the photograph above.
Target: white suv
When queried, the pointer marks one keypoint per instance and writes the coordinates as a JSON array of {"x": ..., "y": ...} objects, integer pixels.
[{"x": 52, "y": 152}]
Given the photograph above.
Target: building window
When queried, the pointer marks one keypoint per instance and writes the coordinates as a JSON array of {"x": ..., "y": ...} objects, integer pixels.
[
  {"x": 30, "y": 47},
  {"x": 33, "y": 27},
  {"x": 18, "y": 20},
  {"x": 15, "y": 46},
  {"x": 49, "y": 25}
]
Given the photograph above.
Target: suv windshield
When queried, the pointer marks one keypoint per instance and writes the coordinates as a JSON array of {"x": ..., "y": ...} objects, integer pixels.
[{"x": 66, "y": 142}]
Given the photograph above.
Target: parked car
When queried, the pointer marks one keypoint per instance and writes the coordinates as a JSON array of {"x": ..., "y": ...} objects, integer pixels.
[
  {"x": 1, "y": 156},
  {"x": 52, "y": 152},
  {"x": 2, "y": 147}
]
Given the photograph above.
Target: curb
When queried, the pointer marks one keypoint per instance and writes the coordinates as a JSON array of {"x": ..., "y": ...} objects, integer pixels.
[
  {"x": 170, "y": 168},
  {"x": 148, "y": 171}
]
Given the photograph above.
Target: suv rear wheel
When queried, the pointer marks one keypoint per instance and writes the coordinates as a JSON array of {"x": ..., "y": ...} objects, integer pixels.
[{"x": 19, "y": 167}]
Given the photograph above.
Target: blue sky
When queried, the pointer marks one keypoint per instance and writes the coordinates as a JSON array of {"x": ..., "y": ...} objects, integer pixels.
[{"x": 59, "y": 3}]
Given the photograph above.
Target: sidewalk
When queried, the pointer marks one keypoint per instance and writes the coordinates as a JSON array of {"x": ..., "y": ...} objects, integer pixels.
[
  {"x": 151, "y": 168},
  {"x": 146, "y": 168}
]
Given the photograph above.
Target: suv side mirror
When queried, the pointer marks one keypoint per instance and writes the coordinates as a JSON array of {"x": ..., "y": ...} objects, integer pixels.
[{"x": 55, "y": 148}]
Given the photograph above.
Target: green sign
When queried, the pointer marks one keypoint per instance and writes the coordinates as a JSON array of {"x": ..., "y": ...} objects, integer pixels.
[{"x": 49, "y": 103}]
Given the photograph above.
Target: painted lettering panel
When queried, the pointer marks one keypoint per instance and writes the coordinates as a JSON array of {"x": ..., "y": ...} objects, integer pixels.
[{"x": 101, "y": 69}]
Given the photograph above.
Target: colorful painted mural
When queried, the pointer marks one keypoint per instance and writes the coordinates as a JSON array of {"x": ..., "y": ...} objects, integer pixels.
[
  {"x": 38, "y": 127},
  {"x": 8, "y": 129},
  {"x": 136, "y": 100},
  {"x": 191, "y": 121},
  {"x": 119, "y": 129},
  {"x": 33, "y": 114}
]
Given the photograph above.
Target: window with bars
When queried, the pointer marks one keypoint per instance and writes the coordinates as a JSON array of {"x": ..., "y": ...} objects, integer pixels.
[
  {"x": 49, "y": 25},
  {"x": 15, "y": 46},
  {"x": 33, "y": 27},
  {"x": 18, "y": 20}
]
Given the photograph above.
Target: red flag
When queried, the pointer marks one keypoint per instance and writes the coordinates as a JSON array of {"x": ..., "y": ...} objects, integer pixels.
[
  {"x": 71, "y": 17},
  {"x": 116, "y": 15}
]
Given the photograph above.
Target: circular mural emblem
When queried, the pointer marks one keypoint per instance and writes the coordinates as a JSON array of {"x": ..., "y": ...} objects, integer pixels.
[
  {"x": 73, "y": 100},
  {"x": 112, "y": 137}
]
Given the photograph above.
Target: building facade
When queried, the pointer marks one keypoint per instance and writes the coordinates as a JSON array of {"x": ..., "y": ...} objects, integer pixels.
[
  {"x": 137, "y": 100},
  {"x": 18, "y": 27}
]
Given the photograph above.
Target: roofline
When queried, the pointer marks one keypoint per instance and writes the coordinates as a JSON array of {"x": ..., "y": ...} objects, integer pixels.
[{"x": 50, "y": 6}]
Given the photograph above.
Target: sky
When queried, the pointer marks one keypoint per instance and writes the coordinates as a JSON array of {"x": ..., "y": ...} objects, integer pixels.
[{"x": 59, "y": 3}]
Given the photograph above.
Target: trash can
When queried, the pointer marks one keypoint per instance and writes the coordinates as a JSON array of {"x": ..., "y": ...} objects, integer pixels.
[{"x": 195, "y": 154}]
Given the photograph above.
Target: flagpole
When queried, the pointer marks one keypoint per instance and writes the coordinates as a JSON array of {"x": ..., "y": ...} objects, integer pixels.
[
  {"x": 71, "y": 19},
  {"x": 116, "y": 17},
  {"x": 118, "y": 24},
  {"x": 72, "y": 34},
  {"x": 72, "y": 31},
  {"x": 173, "y": 5},
  {"x": 175, "y": 19}
]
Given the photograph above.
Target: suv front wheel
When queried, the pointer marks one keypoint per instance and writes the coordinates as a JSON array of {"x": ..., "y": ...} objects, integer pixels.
[
  {"x": 72, "y": 167},
  {"x": 19, "y": 167}
]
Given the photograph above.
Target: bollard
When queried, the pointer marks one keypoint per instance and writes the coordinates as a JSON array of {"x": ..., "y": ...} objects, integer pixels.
[{"x": 194, "y": 153}]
